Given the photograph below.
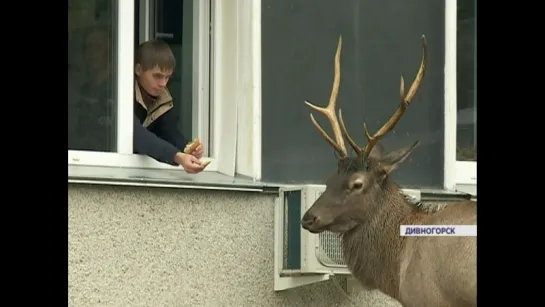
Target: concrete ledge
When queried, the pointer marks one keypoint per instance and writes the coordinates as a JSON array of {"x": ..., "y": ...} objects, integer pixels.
[
  {"x": 161, "y": 178},
  {"x": 165, "y": 179}
]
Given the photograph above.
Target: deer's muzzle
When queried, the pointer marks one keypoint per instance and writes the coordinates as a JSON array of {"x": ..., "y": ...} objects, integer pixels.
[{"x": 312, "y": 223}]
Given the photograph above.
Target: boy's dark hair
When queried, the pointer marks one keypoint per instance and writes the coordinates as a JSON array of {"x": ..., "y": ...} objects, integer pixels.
[{"x": 153, "y": 53}]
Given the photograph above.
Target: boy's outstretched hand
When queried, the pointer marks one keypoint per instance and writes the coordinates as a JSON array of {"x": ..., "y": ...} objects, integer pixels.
[{"x": 190, "y": 163}]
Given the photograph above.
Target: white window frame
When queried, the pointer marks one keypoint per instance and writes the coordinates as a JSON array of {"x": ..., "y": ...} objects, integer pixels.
[
  {"x": 458, "y": 175},
  {"x": 227, "y": 69}
]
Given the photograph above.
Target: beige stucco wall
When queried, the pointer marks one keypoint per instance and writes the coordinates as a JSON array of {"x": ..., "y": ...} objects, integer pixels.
[{"x": 132, "y": 246}]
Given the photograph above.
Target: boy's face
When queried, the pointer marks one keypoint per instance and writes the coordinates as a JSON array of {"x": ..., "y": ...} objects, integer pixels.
[{"x": 152, "y": 80}]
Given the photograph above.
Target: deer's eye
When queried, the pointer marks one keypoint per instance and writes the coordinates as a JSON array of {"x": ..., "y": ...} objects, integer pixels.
[{"x": 357, "y": 185}]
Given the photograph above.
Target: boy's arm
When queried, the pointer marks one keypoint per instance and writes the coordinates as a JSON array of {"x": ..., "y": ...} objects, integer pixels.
[
  {"x": 167, "y": 128},
  {"x": 147, "y": 143}
]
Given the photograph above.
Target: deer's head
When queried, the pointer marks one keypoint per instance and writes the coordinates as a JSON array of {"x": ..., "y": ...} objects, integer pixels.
[{"x": 357, "y": 187}]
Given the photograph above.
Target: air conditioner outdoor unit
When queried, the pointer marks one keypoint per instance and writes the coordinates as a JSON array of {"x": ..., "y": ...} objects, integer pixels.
[
  {"x": 300, "y": 256},
  {"x": 323, "y": 252}
]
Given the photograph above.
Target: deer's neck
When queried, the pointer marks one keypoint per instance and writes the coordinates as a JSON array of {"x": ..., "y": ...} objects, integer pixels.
[{"x": 372, "y": 249}]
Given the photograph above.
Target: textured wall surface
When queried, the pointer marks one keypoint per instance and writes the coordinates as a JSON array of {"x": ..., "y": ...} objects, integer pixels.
[{"x": 164, "y": 247}]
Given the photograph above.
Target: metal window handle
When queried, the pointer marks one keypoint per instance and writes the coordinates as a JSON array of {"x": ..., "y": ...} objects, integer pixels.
[{"x": 164, "y": 35}]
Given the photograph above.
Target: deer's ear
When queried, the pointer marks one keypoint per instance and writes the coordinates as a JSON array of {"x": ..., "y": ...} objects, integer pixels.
[
  {"x": 377, "y": 152},
  {"x": 391, "y": 161}
]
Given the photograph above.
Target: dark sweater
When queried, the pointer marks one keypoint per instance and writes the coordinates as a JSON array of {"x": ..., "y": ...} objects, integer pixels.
[{"x": 162, "y": 139}]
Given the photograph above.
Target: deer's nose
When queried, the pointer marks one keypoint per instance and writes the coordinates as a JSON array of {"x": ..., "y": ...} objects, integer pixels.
[{"x": 308, "y": 220}]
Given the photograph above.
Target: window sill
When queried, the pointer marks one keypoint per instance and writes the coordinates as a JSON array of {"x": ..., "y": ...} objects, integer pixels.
[
  {"x": 443, "y": 195},
  {"x": 117, "y": 160},
  {"x": 466, "y": 177},
  {"x": 467, "y": 188},
  {"x": 466, "y": 172},
  {"x": 161, "y": 178},
  {"x": 140, "y": 177}
]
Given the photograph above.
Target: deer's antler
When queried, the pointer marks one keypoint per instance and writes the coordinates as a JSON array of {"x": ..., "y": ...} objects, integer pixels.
[
  {"x": 329, "y": 111},
  {"x": 405, "y": 100}
]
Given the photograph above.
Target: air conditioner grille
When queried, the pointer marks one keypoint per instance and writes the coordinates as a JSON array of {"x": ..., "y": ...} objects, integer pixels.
[{"x": 329, "y": 251}]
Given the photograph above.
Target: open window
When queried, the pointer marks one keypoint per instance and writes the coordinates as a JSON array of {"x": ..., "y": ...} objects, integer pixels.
[
  {"x": 461, "y": 95},
  {"x": 466, "y": 96},
  {"x": 103, "y": 35}
]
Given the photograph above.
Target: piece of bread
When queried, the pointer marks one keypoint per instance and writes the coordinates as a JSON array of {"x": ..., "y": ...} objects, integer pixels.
[
  {"x": 191, "y": 146},
  {"x": 205, "y": 162}
]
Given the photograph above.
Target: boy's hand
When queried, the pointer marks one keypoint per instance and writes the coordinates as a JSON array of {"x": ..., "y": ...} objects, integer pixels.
[{"x": 190, "y": 163}]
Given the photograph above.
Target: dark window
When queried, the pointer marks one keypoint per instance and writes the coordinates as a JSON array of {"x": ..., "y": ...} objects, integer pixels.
[
  {"x": 466, "y": 96},
  {"x": 381, "y": 40},
  {"x": 92, "y": 105}
]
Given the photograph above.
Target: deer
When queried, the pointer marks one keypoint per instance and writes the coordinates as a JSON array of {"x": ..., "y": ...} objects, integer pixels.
[{"x": 362, "y": 203}]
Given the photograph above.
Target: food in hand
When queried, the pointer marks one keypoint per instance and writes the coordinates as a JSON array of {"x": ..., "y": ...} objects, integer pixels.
[
  {"x": 205, "y": 162},
  {"x": 191, "y": 146}
]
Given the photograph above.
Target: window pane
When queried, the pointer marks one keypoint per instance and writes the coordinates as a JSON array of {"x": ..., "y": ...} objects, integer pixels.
[
  {"x": 379, "y": 43},
  {"x": 92, "y": 105},
  {"x": 467, "y": 90},
  {"x": 174, "y": 25}
]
